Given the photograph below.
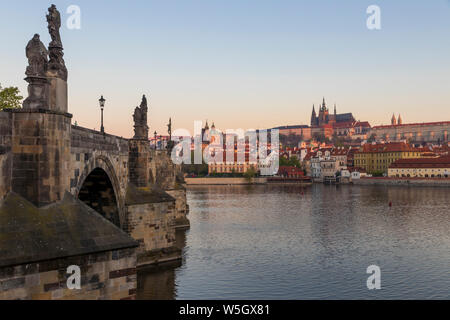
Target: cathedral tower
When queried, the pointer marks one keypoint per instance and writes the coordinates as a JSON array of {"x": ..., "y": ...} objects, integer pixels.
[
  {"x": 313, "y": 117},
  {"x": 393, "y": 120}
]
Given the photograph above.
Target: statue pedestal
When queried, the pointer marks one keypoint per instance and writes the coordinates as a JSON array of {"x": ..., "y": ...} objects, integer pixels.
[
  {"x": 58, "y": 94},
  {"x": 38, "y": 91}
]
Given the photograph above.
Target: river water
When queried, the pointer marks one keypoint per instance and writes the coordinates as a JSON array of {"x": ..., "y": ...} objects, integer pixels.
[{"x": 288, "y": 242}]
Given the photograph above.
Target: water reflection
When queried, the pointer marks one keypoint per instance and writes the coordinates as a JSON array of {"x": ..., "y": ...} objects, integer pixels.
[
  {"x": 158, "y": 283},
  {"x": 288, "y": 242}
]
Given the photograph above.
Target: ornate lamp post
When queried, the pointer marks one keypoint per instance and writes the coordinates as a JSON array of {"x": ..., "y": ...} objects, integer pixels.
[
  {"x": 155, "y": 139},
  {"x": 102, "y": 106}
]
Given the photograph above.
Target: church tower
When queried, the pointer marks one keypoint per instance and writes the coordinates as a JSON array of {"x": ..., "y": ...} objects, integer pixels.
[
  {"x": 206, "y": 134},
  {"x": 313, "y": 117},
  {"x": 393, "y": 120},
  {"x": 400, "y": 121},
  {"x": 323, "y": 114}
]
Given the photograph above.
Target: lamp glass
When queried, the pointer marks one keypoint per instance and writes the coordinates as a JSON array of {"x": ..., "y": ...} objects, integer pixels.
[{"x": 102, "y": 102}]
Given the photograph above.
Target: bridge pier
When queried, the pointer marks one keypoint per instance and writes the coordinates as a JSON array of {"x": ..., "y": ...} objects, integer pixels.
[{"x": 40, "y": 155}]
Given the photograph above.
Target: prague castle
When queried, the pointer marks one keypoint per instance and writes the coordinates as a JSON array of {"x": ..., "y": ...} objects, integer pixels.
[
  {"x": 325, "y": 118},
  {"x": 433, "y": 132}
]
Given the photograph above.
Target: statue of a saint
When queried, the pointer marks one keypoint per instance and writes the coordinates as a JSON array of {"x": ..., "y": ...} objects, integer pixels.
[
  {"x": 37, "y": 55},
  {"x": 54, "y": 24},
  {"x": 140, "y": 120},
  {"x": 169, "y": 126},
  {"x": 56, "y": 64}
]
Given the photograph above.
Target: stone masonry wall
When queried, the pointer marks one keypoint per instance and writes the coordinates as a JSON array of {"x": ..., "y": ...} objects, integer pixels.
[
  {"x": 425, "y": 182},
  {"x": 151, "y": 225},
  {"x": 181, "y": 211},
  {"x": 164, "y": 174},
  {"x": 139, "y": 152},
  {"x": 90, "y": 150},
  {"x": 162, "y": 170},
  {"x": 5, "y": 153},
  {"x": 104, "y": 276},
  {"x": 41, "y": 155},
  {"x": 88, "y": 145}
]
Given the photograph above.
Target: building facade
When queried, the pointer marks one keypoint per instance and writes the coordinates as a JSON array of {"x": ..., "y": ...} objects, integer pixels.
[
  {"x": 378, "y": 157},
  {"x": 421, "y": 168},
  {"x": 432, "y": 132}
]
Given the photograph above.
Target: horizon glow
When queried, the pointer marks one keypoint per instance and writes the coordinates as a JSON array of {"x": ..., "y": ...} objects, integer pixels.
[{"x": 251, "y": 64}]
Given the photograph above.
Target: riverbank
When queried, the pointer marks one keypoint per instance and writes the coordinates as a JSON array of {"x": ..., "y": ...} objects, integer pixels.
[
  {"x": 224, "y": 181},
  {"x": 424, "y": 182},
  {"x": 240, "y": 181}
]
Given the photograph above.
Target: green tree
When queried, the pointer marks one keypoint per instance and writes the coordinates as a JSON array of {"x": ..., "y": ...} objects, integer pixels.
[
  {"x": 10, "y": 98},
  {"x": 250, "y": 174},
  {"x": 320, "y": 137},
  {"x": 291, "y": 162},
  {"x": 378, "y": 173},
  {"x": 372, "y": 138},
  {"x": 284, "y": 162}
]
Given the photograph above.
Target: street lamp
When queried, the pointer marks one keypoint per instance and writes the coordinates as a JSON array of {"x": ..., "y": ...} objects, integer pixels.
[
  {"x": 102, "y": 106},
  {"x": 155, "y": 139}
]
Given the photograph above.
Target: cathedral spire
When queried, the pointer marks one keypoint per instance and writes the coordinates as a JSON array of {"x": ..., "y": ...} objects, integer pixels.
[
  {"x": 335, "y": 111},
  {"x": 399, "y": 121},
  {"x": 393, "y": 120},
  {"x": 313, "y": 117}
]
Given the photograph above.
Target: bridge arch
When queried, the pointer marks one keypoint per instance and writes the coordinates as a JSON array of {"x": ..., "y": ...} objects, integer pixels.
[{"x": 99, "y": 188}]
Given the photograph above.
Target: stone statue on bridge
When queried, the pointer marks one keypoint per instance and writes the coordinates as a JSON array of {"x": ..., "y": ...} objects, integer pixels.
[
  {"x": 57, "y": 66},
  {"x": 38, "y": 84},
  {"x": 37, "y": 55},
  {"x": 54, "y": 24},
  {"x": 170, "y": 143},
  {"x": 140, "y": 120}
]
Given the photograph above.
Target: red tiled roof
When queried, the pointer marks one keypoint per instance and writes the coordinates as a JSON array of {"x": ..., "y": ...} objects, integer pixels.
[
  {"x": 442, "y": 162},
  {"x": 387, "y": 147},
  {"x": 339, "y": 152},
  {"x": 347, "y": 124},
  {"x": 362, "y": 124},
  {"x": 351, "y": 124}
]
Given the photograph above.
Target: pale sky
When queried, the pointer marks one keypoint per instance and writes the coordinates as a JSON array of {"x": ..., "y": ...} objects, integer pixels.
[{"x": 242, "y": 64}]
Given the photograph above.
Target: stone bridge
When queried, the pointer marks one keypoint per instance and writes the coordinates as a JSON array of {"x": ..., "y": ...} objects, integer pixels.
[{"x": 74, "y": 196}]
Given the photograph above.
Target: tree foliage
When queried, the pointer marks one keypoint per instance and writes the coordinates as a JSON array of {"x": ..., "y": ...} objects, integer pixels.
[
  {"x": 10, "y": 98},
  {"x": 291, "y": 162},
  {"x": 292, "y": 140},
  {"x": 250, "y": 174},
  {"x": 372, "y": 138},
  {"x": 320, "y": 137}
]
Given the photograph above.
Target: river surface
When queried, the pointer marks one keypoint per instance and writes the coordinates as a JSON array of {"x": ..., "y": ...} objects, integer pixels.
[{"x": 272, "y": 242}]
